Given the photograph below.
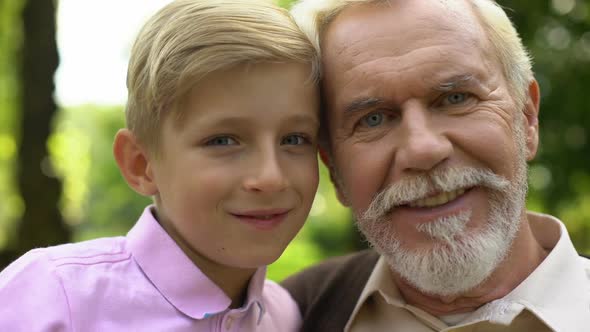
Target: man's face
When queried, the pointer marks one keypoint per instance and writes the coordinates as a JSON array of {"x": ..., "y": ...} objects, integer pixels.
[{"x": 417, "y": 101}]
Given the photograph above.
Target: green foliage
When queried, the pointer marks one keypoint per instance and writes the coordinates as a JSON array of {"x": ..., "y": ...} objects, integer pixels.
[
  {"x": 557, "y": 33},
  {"x": 285, "y": 3},
  {"x": 96, "y": 200}
]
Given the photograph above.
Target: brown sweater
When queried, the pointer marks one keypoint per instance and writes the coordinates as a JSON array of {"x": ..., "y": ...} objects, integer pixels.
[{"x": 327, "y": 293}]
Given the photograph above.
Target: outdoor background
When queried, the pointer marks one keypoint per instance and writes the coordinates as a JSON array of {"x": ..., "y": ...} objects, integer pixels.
[{"x": 59, "y": 182}]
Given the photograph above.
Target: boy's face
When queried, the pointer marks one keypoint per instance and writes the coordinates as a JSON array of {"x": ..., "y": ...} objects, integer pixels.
[{"x": 236, "y": 176}]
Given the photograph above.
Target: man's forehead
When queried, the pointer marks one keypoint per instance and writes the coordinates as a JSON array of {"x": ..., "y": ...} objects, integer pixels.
[
  {"x": 396, "y": 21},
  {"x": 428, "y": 45}
]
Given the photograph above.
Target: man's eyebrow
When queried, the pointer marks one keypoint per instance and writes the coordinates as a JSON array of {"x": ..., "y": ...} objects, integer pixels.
[
  {"x": 456, "y": 82},
  {"x": 362, "y": 104}
]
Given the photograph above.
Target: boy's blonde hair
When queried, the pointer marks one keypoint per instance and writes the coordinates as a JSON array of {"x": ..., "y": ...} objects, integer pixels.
[
  {"x": 188, "y": 39},
  {"x": 313, "y": 16}
]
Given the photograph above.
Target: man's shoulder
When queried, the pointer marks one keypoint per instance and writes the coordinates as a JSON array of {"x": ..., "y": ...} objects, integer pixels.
[
  {"x": 332, "y": 268},
  {"x": 327, "y": 293}
]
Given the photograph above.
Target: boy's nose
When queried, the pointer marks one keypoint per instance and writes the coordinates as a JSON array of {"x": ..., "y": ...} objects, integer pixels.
[
  {"x": 267, "y": 174},
  {"x": 421, "y": 146}
]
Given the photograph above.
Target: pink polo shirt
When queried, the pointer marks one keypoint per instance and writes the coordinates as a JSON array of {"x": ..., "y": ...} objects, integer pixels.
[{"x": 141, "y": 282}]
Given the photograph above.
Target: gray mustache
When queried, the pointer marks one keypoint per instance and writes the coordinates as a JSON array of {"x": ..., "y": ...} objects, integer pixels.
[{"x": 420, "y": 186}]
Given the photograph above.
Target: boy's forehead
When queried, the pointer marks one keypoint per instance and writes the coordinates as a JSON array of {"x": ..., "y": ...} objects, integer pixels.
[{"x": 264, "y": 85}]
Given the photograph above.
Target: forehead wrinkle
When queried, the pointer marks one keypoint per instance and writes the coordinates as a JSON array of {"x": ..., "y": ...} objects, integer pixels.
[
  {"x": 394, "y": 73},
  {"x": 368, "y": 45},
  {"x": 455, "y": 82},
  {"x": 350, "y": 39},
  {"x": 357, "y": 35},
  {"x": 362, "y": 46},
  {"x": 393, "y": 55}
]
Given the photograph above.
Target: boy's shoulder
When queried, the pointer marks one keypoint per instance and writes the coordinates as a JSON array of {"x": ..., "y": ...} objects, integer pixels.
[
  {"x": 79, "y": 284},
  {"x": 58, "y": 258},
  {"x": 96, "y": 251},
  {"x": 107, "y": 249}
]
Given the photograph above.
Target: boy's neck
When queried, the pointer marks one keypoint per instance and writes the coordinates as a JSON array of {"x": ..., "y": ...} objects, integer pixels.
[{"x": 232, "y": 281}]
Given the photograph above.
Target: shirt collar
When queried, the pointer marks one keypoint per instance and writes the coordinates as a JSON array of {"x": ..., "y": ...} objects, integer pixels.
[
  {"x": 557, "y": 292},
  {"x": 255, "y": 289},
  {"x": 177, "y": 278},
  {"x": 381, "y": 283}
]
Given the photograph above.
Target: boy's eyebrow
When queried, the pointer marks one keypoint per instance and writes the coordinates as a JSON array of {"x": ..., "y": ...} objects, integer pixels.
[
  {"x": 457, "y": 81},
  {"x": 361, "y": 104},
  {"x": 237, "y": 120}
]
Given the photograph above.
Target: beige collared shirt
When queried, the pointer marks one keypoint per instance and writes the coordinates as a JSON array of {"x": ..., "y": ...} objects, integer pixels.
[{"x": 555, "y": 297}]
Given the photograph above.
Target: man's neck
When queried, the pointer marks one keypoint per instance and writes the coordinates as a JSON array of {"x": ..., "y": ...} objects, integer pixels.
[{"x": 524, "y": 257}]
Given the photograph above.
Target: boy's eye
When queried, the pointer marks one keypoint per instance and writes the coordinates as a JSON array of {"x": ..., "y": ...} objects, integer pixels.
[
  {"x": 294, "y": 140},
  {"x": 221, "y": 140},
  {"x": 373, "y": 120}
]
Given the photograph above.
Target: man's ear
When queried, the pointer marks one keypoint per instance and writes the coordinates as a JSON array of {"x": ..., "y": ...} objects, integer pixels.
[
  {"x": 134, "y": 163},
  {"x": 327, "y": 160},
  {"x": 531, "y": 114}
]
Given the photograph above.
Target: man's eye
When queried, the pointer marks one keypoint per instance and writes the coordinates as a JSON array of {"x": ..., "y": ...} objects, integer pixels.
[
  {"x": 221, "y": 140},
  {"x": 373, "y": 120},
  {"x": 294, "y": 140},
  {"x": 455, "y": 98}
]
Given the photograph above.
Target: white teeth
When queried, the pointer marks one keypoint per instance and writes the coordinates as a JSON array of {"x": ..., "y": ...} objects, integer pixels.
[{"x": 437, "y": 200}]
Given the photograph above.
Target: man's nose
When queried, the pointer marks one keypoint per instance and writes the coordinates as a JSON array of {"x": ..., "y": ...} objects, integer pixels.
[
  {"x": 422, "y": 143},
  {"x": 266, "y": 173}
]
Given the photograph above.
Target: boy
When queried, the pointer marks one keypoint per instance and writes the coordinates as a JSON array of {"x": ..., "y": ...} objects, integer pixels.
[{"x": 222, "y": 122}]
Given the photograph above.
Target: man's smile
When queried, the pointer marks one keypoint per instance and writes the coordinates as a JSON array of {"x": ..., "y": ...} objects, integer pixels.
[{"x": 437, "y": 199}]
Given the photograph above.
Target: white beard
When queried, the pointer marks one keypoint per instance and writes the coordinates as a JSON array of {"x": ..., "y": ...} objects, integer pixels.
[{"x": 457, "y": 261}]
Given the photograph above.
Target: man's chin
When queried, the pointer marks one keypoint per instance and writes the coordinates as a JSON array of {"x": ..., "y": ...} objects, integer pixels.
[
  {"x": 443, "y": 282},
  {"x": 449, "y": 268}
]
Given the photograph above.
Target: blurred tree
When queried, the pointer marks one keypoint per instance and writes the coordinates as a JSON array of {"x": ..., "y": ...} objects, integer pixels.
[
  {"x": 97, "y": 201},
  {"x": 41, "y": 223},
  {"x": 10, "y": 203}
]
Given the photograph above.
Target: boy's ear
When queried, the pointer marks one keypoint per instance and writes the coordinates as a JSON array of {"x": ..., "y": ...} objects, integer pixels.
[
  {"x": 531, "y": 114},
  {"x": 327, "y": 160},
  {"x": 134, "y": 163}
]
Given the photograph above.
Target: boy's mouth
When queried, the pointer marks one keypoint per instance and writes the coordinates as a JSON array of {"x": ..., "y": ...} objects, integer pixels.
[{"x": 264, "y": 219}]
